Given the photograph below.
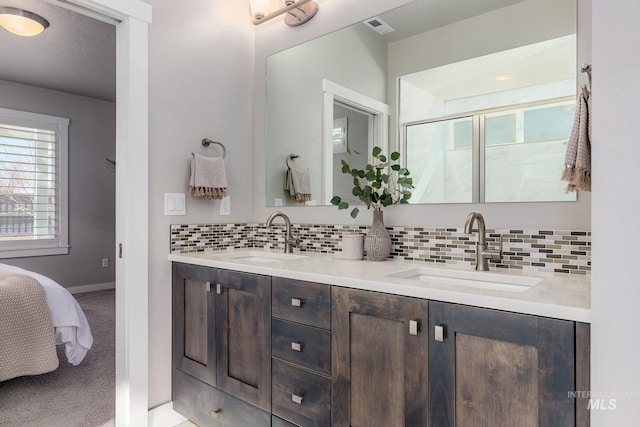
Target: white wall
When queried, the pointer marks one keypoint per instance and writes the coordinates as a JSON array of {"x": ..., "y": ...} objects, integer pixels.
[
  {"x": 616, "y": 154},
  {"x": 333, "y": 15},
  {"x": 200, "y": 85},
  {"x": 295, "y": 97},
  {"x": 91, "y": 185},
  {"x": 525, "y": 23}
]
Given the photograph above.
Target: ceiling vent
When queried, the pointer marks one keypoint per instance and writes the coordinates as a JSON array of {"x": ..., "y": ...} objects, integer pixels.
[{"x": 378, "y": 25}]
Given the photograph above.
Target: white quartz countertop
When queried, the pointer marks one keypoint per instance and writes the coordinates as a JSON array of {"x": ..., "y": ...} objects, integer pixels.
[{"x": 560, "y": 296}]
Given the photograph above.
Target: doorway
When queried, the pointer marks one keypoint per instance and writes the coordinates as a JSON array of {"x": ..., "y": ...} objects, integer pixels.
[
  {"x": 341, "y": 102},
  {"x": 131, "y": 19}
]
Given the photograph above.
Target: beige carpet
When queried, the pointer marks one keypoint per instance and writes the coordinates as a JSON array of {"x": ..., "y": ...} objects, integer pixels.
[{"x": 71, "y": 396}]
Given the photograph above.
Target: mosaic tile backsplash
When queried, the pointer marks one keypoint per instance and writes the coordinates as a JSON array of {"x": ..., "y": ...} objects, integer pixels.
[{"x": 536, "y": 250}]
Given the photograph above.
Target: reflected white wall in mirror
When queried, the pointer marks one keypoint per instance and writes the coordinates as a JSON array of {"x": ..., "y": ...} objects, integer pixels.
[
  {"x": 430, "y": 35},
  {"x": 295, "y": 113}
]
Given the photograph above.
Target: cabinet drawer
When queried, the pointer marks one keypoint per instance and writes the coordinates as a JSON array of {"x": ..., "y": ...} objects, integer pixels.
[
  {"x": 302, "y": 302},
  {"x": 279, "y": 422},
  {"x": 299, "y": 396},
  {"x": 208, "y": 406},
  {"x": 303, "y": 345}
]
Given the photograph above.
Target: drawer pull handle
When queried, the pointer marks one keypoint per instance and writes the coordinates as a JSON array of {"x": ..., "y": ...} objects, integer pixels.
[
  {"x": 208, "y": 285},
  {"x": 296, "y": 399},
  {"x": 215, "y": 413},
  {"x": 439, "y": 333},
  {"x": 296, "y": 346},
  {"x": 296, "y": 302},
  {"x": 218, "y": 289},
  {"x": 414, "y": 326}
]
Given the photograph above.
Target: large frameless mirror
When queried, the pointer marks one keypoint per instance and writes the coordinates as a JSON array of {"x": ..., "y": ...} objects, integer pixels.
[{"x": 479, "y": 99}]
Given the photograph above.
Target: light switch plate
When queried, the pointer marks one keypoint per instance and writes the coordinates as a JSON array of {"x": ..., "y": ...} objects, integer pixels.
[
  {"x": 225, "y": 206},
  {"x": 175, "y": 204}
]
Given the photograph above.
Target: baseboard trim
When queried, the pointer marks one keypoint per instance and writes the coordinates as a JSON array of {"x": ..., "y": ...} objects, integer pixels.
[
  {"x": 91, "y": 288},
  {"x": 165, "y": 416}
]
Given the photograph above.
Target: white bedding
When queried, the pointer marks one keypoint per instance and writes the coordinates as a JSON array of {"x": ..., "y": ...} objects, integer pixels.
[{"x": 69, "y": 322}]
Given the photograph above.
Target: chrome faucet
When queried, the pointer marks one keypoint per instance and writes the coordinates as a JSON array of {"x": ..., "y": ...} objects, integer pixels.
[
  {"x": 289, "y": 240},
  {"x": 482, "y": 253}
]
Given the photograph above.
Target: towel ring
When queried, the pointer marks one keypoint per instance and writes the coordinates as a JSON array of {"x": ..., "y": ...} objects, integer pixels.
[
  {"x": 207, "y": 141},
  {"x": 291, "y": 157}
]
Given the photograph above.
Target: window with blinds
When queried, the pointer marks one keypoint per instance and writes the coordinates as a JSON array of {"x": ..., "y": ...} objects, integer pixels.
[{"x": 33, "y": 184}]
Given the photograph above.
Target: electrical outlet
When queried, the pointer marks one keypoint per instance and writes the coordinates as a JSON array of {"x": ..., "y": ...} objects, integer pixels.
[
  {"x": 225, "y": 206},
  {"x": 105, "y": 262}
]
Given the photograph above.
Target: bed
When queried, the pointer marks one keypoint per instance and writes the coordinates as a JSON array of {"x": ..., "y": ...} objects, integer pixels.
[{"x": 36, "y": 315}]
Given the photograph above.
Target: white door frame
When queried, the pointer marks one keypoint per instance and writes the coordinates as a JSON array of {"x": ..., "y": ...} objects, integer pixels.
[
  {"x": 132, "y": 110},
  {"x": 378, "y": 127}
]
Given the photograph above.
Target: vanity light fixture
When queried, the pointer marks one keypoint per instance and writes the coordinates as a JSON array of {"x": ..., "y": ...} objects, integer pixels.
[
  {"x": 297, "y": 12},
  {"x": 22, "y": 22}
]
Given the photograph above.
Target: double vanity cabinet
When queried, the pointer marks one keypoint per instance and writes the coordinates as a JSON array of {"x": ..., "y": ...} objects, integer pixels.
[{"x": 259, "y": 350}]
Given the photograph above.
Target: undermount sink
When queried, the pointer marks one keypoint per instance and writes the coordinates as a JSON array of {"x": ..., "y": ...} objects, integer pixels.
[
  {"x": 265, "y": 257},
  {"x": 474, "y": 279}
]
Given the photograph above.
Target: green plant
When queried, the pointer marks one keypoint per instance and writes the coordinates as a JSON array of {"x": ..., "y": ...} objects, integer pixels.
[{"x": 383, "y": 182}]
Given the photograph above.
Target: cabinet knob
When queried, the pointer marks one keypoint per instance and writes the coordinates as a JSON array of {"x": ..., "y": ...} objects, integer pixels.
[
  {"x": 439, "y": 333},
  {"x": 215, "y": 413},
  {"x": 296, "y": 302},
  {"x": 414, "y": 327},
  {"x": 296, "y": 346},
  {"x": 296, "y": 399}
]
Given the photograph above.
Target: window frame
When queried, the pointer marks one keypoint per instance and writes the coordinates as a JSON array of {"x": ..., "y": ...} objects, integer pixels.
[
  {"x": 60, "y": 244},
  {"x": 478, "y": 146}
]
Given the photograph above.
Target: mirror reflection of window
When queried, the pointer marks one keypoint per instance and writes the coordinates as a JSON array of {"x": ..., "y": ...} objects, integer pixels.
[
  {"x": 523, "y": 149},
  {"x": 339, "y": 136},
  {"x": 440, "y": 158},
  {"x": 511, "y": 116}
]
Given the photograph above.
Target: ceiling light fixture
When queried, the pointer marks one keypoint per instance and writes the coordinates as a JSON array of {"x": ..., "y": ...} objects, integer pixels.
[
  {"x": 21, "y": 22},
  {"x": 502, "y": 77},
  {"x": 297, "y": 12}
]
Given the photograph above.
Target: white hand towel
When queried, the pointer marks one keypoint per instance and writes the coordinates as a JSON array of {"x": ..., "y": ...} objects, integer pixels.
[
  {"x": 208, "y": 177},
  {"x": 577, "y": 171},
  {"x": 298, "y": 183}
]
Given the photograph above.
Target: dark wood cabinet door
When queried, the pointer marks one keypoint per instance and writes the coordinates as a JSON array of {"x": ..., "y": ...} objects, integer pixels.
[
  {"x": 583, "y": 373},
  {"x": 243, "y": 337},
  {"x": 379, "y": 359},
  {"x": 494, "y": 368},
  {"x": 194, "y": 322}
]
